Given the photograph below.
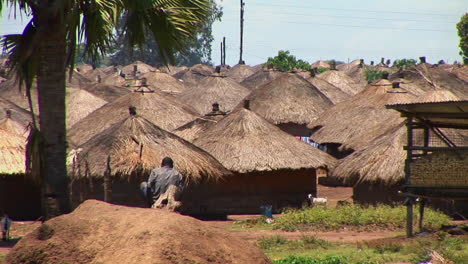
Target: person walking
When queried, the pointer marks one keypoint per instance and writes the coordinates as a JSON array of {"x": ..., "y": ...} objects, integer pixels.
[{"x": 6, "y": 224}]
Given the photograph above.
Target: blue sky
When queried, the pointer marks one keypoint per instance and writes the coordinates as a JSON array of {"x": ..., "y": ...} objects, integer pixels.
[{"x": 335, "y": 29}]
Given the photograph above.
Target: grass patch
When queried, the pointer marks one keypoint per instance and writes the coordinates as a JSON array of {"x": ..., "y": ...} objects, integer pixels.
[
  {"x": 349, "y": 216},
  {"x": 280, "y": 242},
  {"x": 415, "y": 250}
]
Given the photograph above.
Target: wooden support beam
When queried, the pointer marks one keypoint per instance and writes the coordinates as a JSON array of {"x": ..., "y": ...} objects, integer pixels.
[
  {"x": 422, "y": 203},
  {"x": 409, "y": 219}
]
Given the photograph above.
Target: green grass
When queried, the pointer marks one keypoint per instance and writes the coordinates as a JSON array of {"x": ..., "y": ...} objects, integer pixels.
[
  {"x": 350, "y": 216},
  {"x": 283, "y": 251}
]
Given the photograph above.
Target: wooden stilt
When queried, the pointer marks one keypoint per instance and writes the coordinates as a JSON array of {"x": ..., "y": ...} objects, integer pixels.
[
  {"x": 421, "y": 214},
  {"x": 409, "y": 219}
]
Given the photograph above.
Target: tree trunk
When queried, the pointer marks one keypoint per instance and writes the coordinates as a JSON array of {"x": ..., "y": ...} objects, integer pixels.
[{"x": 51, "y": 93}]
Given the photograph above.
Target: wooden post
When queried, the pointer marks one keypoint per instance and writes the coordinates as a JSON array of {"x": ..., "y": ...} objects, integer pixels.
[
  {"x": 409, "y": 218},
  {"x": 107, "y": 183},
  {"x": 221, "y": 53},
  {"x": 421, "y": 213},
  {"x": 426, "y": 139},
  {"x": 241, "y": 61},
  {"x": 409, "y": 200},
  {"x": 224, "y": 51}
]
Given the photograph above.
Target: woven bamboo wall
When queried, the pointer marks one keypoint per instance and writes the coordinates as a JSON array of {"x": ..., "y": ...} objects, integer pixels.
[{"x": 441, "y": 168}]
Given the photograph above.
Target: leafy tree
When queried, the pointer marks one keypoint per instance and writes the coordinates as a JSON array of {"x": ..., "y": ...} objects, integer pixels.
[
  {"x": 462, "y": 28},
  {"x": 286, "y": 62},
  {"x": 196, "y": 50},
  {"x": 373, "y": 75},
  {"x": 48, "y": 45},
  {"x": 404, "y": 63}
]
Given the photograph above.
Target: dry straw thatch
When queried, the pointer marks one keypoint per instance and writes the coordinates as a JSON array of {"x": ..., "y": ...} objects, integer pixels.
[
  {"x": 240, "y": 72},
  {"x": 214, "y": 89},
  {"x": 357, "y": 121},
  {"x": 341, "y": 80},
  {"x": 347, "y": 66},
  {"x": 260, "y": 78},
  {"x": 335, "y": 94},
  {"x": 194, "y": 74},
  {"x": 245, "y": 142},
  {"x": 10, "y": 91},
  {"x": 12, "y": 147},
  {"x": 135, "y": 145},
  {"x": 160, "y": 108},
  {"x": 141, "y": 68},
  {"x": 163, "y": 82},
  {"x": 80, "y": 104},
  {"x": 17, "y": 113},
  {"x": 320, "y": 64},
  {"x": 172, "y": 70},
  {"x": 107, "y": 92},
  {"x": 288, "y": 99},
  {"x": 196, "y": 128}
]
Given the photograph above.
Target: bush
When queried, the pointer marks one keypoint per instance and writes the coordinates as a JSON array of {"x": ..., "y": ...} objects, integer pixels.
[
  {"x": 286, "y": 62},
  {"x": 373, "y": 75},
  {"x": 322, "y": 70},
  {"x": 404, "y": 63}
]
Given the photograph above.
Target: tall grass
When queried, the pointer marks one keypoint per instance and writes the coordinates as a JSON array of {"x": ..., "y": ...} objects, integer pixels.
[{"x": 382, "y": 216}]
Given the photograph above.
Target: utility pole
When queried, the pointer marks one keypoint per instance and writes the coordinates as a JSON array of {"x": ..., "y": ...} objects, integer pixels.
[
  {"x": 241, "y": 30},
  {"x": 224, "y": 51}
]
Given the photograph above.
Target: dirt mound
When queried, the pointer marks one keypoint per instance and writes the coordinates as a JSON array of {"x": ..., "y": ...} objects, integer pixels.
[{"x": 97, "y": 232}]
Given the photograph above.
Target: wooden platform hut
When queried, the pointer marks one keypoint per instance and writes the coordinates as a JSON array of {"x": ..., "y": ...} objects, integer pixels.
[
  {"x": 19, "y": 195},
  {"x": 214, "y": 88},
  {"x": 196, "y": 128},
  {"x": 289, "y": 102},
  {"x": 341, "y": 80},
  {"x": 353, "y": 124},
  {"x": 160, "y": 108},
  {"x": 260, "y": 78},
  {"x": 240, "y": 72},
  {"x": 163, "y": 82},
  {"x": 111, "y": 165},
  {"x": 270, "y": 166}
]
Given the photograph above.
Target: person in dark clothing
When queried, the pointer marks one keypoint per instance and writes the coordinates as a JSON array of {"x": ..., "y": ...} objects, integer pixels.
[{"x": 160, "y": 180}]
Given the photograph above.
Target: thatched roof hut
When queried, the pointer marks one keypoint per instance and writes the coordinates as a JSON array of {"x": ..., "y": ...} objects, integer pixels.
[
  {"x": 341, "y": 80},
  {"x": 16, "y": 113},
  {"x": 172, "y": 70},
  {"x": 245, "y": 142},
  {"x": 240, "y": 72},
  {"x": 214, "y": 89},
  {"x": 194, "y": 74},
  {"x": 288, "y": 99},
  {"x": 320, "y": 64},
  {"x": 335, "y": 94},
  {"x": 163, "y": 82},
  {"x": 107, "y": 92},
  {"x": 357, "y": 121},
  {"x": 160, "y": 108},
  {"x": 12, "y": 149},
  {"x": 80, "y": 104},
  {"x": 141, "y": 68},
  {"x": 10, "y": 91},
  {"x": 424, "y": 77},
  {"x": 260, "y": 78},
  {"x": 134, "y": 145}
]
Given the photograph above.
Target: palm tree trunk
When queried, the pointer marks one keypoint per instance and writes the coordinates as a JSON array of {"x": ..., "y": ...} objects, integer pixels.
[{"x": 51, "y": 93}]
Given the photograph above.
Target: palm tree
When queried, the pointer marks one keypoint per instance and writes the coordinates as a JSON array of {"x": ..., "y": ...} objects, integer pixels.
[{"x": 47, "y": 47}]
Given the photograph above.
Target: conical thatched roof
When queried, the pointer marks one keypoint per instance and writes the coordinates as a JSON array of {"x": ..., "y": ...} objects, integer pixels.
[
  {"x": 77, "y": 80},
  {"x": 141, "y": 68},
  {"x": 163, "y": 82},
  {"x": 332, "y": 92},
  {"x": 357, "y": 121},
  {"x": 214, "y": 89},
  {"x": 240, "y": 72},
  {"x": 107, "y": 92},
  {"x": 383, "y": 160},
  {"x": 80, "y": 104},
  {"x": 13, "y": 126},
  {"x": 424, "y": 77},
  {"x": 134, "y": 145},
  {"x": 160, "y": 108},
  {"x": 196, "y": 128},
  {"x": 17, "y": 113},
  {"x": 320, "y": 64},
  {"x": 194, "y": 74},
  {"x": 12, "y": 148},
  {"x": 172, "y": 70},
  {"x": 341, "y": 80},
  {"x": 10, "y": 91},
  {"x": 244, "y": 142},
  {"x": 436, "y": 96},
  {"x": 347, "y": 66},
  {"x": 288, "y": 99},
  {"x": 114, "y": 79},
  {"x": 84, "y": 69},
  {"x": 260, "y": 78}
]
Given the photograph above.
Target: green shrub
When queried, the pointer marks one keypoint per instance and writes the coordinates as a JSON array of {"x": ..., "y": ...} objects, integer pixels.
[
  {"x": 271, "y": 242},
  {"x": 286, "y": 62},
  {"x": 404, "y": 63},
  {"x": 373, "y": 75},
  {"x": 322, "y": 70}
]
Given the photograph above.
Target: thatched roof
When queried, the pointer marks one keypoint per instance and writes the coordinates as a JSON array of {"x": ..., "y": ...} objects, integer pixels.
[
  {"x": 260, "y": 78},
  {"x": 160, "y": 108},
  {"x": 357, "y": 121},
  {"x": 77, "y": 80},
  {"x": 80, "y": 104},
  {"x": 114, "y": 79},
  {"x": 12, "y": 148},
  {"x": 383, "y": 160},
  {"x": 196, "y": 128},
  {"x": 424, "y": 77},
  {"x": 288, "y": 99},
  {"x": 134, "y": 145},
  {"x": 341, "y": 80},
  {"x": 10, "y": 91},
  {"x": 141, "y": 68},
  {"x": 332, "y": 92},
  {"x": 320, "y": 64},
  {"x": 436, "y": 96},
  {"x": 163, "y": 82},
  {"x": 172, "y": 70},
  {"x": 240, "y": 72},
  {"x": 214, "y": 89},
  {"x": 347, "y": 66},
  {"x": 244, "y": 142},
  {"x": 194, "y": 74},
  {"x": 84, "y": 69},
  {"x": 107, "y": 92},
  {"x": 17, "y": 113}
]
